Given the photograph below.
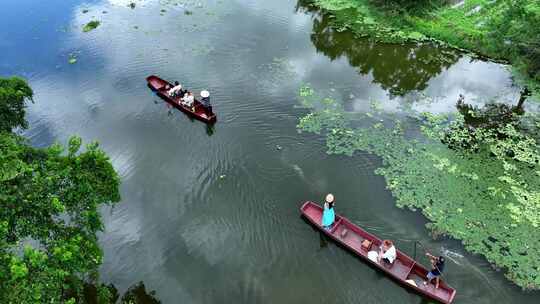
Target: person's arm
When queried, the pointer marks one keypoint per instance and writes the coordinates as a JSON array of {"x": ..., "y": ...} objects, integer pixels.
[{"x": 430, "y": 256}]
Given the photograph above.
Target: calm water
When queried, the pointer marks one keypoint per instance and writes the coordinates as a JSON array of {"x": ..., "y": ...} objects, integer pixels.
[{"x": 211, "y": 215}]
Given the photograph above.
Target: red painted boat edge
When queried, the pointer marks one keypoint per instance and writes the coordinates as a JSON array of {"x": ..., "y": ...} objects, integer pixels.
[
  {"x": 340, "y": 220},
  {"x": 161, "y": 92}
]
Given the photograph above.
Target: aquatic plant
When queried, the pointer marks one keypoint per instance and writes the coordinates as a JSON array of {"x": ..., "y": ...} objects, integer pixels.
[
  {"x": 91, "y": 26},
  {"x": 72, "y": 59},
  {"x": 487, "y": 199}
]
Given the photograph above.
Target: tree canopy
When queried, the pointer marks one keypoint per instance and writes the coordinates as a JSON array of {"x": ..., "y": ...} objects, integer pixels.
[
  {"x": 14, "y": 92},
  {"x": 49, "y": 210}
]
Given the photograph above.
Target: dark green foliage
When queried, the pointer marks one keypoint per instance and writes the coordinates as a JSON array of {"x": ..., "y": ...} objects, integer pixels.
[
  {"x": 137, "y": 294},
  {"x": 504, "y": 30},
  {"x": 14, "y": 93},
  {"x": 91, "y": 26},
  {"x": 49, "y": 210},
  {"x": 49, "y": 217},
  {"x": 390, "y": 67},
  {"x": 489, "y": 198},
  {"x": 517, "y": 33}
]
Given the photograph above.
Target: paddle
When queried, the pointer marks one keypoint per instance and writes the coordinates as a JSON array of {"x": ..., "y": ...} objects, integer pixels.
[{"x": 427, "y": 254}]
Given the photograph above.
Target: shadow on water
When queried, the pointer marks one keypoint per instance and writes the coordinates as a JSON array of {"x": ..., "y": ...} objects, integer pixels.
[
  {"x": 397, "y": 69},
  {"x": 136, "y": 294},
  {"x": 210, "y": 129}
]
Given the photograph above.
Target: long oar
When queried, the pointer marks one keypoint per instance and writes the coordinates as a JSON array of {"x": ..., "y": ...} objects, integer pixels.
[{"x": 425, "y": 251}]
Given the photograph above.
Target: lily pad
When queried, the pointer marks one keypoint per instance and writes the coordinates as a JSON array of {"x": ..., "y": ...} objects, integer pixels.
[
  {"x": 72, "y": 59},
  {"x": 91, "y": 26}
]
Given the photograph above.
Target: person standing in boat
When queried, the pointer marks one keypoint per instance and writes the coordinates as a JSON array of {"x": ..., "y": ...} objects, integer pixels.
[
  {"x": 205, "y": 101},
  {"x": 188, "y": 99},
  {"x": 437, "y": 264},
  {"x": 387, "y": 252},
  {"x": 176, "y": 90},
  {"x": 328, "y": 216}
]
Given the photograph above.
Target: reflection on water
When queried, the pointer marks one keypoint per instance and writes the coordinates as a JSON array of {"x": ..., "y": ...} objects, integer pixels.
[
  {"x": 215, "y": 219},
  {"x": 397, "y": 68},
  {"x": 136, "y": 294}
]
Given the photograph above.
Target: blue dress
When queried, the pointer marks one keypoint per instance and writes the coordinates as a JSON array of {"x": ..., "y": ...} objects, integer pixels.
[{"x": 328, "y": 217}]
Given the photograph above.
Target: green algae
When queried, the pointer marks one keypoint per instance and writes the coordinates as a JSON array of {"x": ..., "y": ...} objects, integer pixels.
[
  {"x": 72, "y": 59},
  {"x": 491, "y": 204},
  {"x": 91, "y": 26}
]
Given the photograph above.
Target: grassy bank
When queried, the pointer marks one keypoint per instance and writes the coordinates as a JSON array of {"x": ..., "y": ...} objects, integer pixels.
[
  {"x": 499, "y": 29},
  {"x": 489, "y": 199}
]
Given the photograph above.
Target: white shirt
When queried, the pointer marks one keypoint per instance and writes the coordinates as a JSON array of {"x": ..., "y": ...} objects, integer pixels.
[
  {"x": 188, "y": 99},
  {"x": 390, "y": 254},
  {"x": 175, "y": 89}
]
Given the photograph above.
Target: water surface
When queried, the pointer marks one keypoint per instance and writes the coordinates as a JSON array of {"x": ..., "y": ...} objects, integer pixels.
[{"x": 212, "y": 215}]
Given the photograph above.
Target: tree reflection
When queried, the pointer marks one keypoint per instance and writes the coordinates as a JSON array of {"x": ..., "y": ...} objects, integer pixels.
[
  {"x": 398, "y": 68},
  {"x": 136, "y": 294}
]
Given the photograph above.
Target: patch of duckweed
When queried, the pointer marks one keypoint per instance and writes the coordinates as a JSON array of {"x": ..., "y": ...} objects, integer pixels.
[
  {"x": 72, "y": 59},
  {"x": 490, "y": 203},
  {"x": 91, "y": 26}
]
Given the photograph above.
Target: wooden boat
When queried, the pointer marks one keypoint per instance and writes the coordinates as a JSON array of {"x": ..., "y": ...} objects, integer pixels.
[
  {"x": 404, "y": 269},
  {"x": 160, "y": 86}
]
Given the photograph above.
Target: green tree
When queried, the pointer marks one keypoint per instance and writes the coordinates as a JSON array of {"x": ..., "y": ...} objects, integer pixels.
[
  {"x": 14, "y": 92},
  {"x": 49, "y": 211}
]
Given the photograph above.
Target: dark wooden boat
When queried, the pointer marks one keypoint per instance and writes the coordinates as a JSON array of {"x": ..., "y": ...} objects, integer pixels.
[
  {"x": 404, "y": 269},
  {"x": 160, "y": 86}
]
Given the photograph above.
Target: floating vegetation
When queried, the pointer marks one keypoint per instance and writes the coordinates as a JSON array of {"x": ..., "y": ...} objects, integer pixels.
[
  {"x": 91, "y": 26},
  {"x": 72, "y": 59},
  {"x": 163, "y": 10},
  {"x": 488, "y": 199},
  {"x": 187, "y": 12}
]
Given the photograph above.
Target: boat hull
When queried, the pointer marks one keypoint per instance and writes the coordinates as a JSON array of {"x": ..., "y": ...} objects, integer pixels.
[
  {"x": 159, "y": 86},
  {"x": 404, "y": 269}
]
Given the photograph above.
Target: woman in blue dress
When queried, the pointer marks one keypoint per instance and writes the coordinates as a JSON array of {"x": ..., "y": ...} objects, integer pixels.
[{"x": 328, "y": 216}]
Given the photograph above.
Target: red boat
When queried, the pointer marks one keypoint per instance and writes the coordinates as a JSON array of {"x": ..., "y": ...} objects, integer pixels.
[
  {"x": 161, "y": 86},
  {"x": 404, "y": 269}
]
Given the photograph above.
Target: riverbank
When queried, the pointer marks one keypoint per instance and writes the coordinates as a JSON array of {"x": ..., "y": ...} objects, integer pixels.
[
  {"x": 484, "y": 198},
  {"x": 501, "y": 30}
]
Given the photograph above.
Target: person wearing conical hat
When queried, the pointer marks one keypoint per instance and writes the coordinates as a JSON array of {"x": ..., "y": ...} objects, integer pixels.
[
  {"x": 205, "y": 101},
  {"x": 328, "y": 216}
]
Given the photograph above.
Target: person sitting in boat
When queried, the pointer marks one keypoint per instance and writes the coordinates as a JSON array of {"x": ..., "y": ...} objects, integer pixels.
[
  {"x": 176, "y": 90},
  {"x": 205, "y": 102},
  {"x": 328, "y": 216},
  {"x": 387, "y": 252},
  {"x": 188, "y": 99},
  {"x": 437, "y": 267}
]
